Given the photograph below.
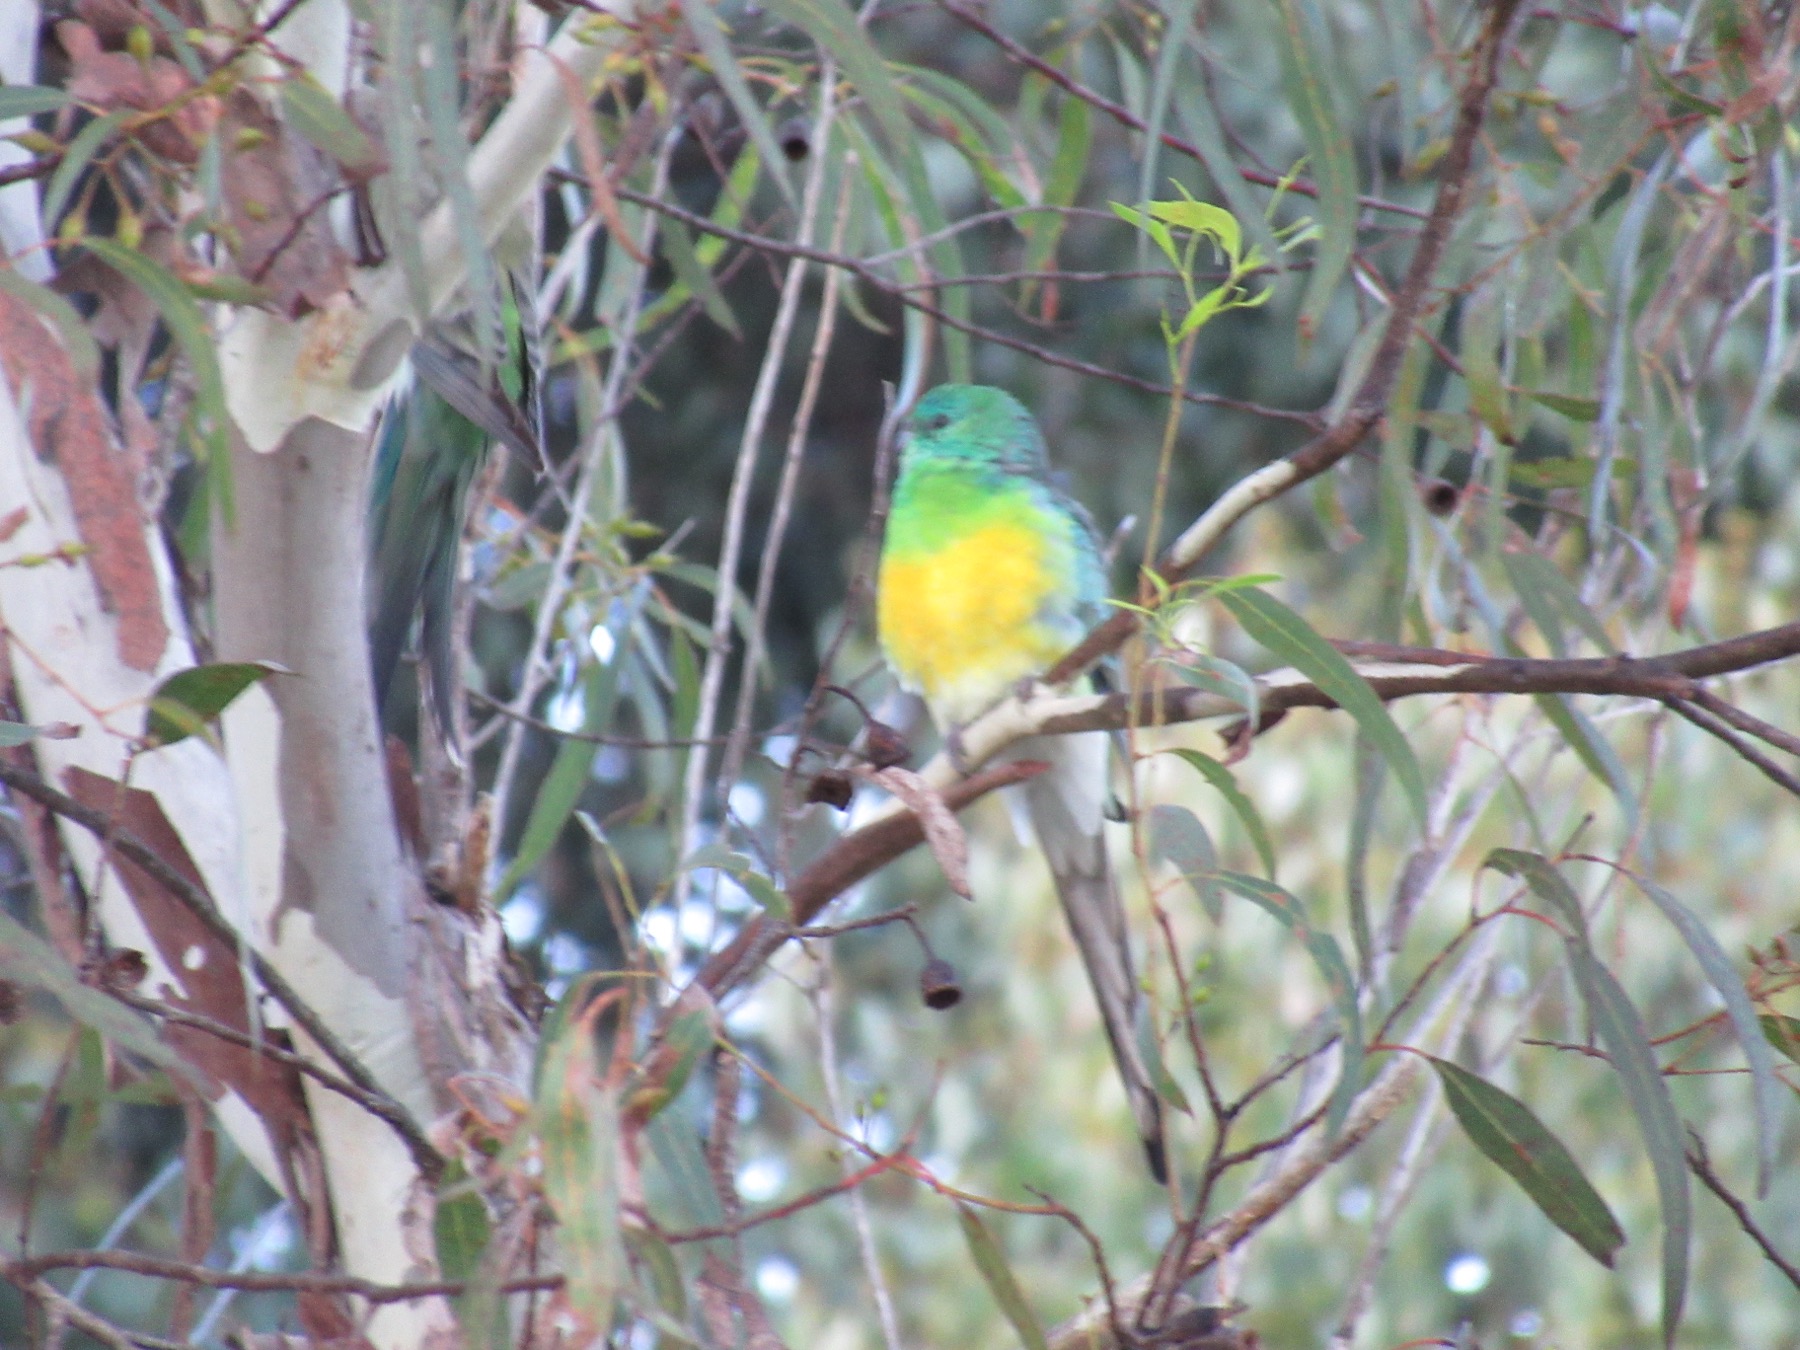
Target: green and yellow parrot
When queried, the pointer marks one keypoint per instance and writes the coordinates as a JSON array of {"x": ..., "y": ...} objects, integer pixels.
[
  {"x": 436, "y": 436},
  {"x": 989, "y": 574}
]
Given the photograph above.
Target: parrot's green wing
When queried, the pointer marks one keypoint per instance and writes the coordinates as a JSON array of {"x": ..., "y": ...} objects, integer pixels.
[{"x": 436, "y": 437}]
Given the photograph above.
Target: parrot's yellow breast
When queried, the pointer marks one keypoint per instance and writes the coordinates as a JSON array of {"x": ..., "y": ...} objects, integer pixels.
[{"x": 961, "y": 622}]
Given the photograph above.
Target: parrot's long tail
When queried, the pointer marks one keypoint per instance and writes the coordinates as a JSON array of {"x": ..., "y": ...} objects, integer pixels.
[{"x": 1066, "y": 805}]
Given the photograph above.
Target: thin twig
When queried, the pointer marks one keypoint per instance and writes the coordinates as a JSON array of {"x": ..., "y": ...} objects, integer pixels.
[
  {"x": 737, "y": 507},
  {"x": 776, "y": 534},
  {"x": 825, "y": 1020},
  {"x": 605, "y": 439},
  {"x": 201, "y": 906},
  {"x": 1716, "y": 727},
  {"x": 901, "y": 291},
  {"x": 1125, "y": 117},
  {"x": 1701, "y": 1166}
]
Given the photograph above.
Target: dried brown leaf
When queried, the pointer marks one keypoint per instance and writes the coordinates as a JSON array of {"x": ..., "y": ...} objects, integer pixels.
[{"x": 943, "y": 832}]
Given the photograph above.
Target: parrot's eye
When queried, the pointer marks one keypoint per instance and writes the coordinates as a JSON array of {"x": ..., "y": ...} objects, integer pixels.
[{"x": 936, "y": 422}]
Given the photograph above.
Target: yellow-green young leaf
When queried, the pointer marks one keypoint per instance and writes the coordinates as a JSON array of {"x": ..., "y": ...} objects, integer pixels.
[
  {"x": 578, "y": 1139},
  {"x": 1509, "y": 1134},
  {"x": 992, "y": 1264},
  {"x": 1226, "y": 785},
  {"x": 1215, "y": 222},
  {"x": 1152, "y": 227},
  {"x": 460, "y": 1227},
  {"x": 690, "y": 272},
  {"x": 190, "y": 701},
  {"x": 1292, "y": 639},
  {"x": 1201, "y": 121},
  {"x": 1571, "y": 407},
  {"x": 309, "y": 108}
]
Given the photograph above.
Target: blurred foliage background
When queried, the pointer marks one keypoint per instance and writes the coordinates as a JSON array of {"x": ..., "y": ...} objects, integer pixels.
[{"x": 1588, "y": 451}]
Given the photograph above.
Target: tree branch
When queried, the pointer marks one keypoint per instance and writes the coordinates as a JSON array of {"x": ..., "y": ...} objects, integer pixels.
[
  {"x": 1370, "y": 401},
  {"x": 200, "y": 905}
]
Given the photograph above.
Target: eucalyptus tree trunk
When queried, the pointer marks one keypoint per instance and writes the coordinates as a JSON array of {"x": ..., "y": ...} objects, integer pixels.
[{"x": 284, "y": 823}]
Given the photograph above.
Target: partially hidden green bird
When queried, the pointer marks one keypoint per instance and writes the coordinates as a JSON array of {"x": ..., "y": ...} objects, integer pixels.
[
  {"x": 436, "y": 437},
  {"x": 989, "y": 574}
]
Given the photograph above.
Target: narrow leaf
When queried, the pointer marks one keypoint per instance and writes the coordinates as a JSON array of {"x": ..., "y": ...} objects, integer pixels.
[
  {"x": 1227, "y": 787},
  {"x": 1543, "y": 615},
  {"x": 1329, "y": 958},
  {"x": 1535, "y": 572},
  {"x": 710, "y": 38},
  {"x": 1306, "y": 70},
  {"x": 1507, "y": 1131},
  {"x": 1201, "y": 121},
  {"x": 27, "y": 960},
  {"x": 190, "y": 701},
  {"x": 1621, "y": 1031},
  {"x": 678, "y": 248},
  {"x": 1178, "y": 18},
  {"x": 1723, "y": 977},
  {"x": 1074, "y": 138},
  {"x": 30, "y": 100},
  {"x": 577, "y": 1120},
  {"x": 1593, "y": 749},
  {"x": 77, "y": 338},
  {"x": 460, "y": 1227},
  {"x": 1177, "y": 836},
  {"x": 1571, "y": 407},
  {"x": 990, "y": 1260},
  {"x": 1783, "y": 1033},
  {"x": 1219, "y": 676},
  {"x": 309, "y": 108},
  {"x": 1291, "y": 639},
  {"x": 16, "y": 733},
  {"x": 1371, "y": 774},
  {"x": 75, "y": 159},
  {"x": 188, "y": 326},
  {"x": 1544, "y": 880},
  {"x": 562, "y": 786},
  {"x": 742, "y": 870}
]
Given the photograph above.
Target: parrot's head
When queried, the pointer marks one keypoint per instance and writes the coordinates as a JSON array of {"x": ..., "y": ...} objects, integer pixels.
[{"x": 975, "y": 423}]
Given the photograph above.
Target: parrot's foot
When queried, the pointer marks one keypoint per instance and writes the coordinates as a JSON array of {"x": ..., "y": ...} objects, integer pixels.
[
  {"x": 958, "y": 753},
  {"x": 1029, "y": 687}
]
